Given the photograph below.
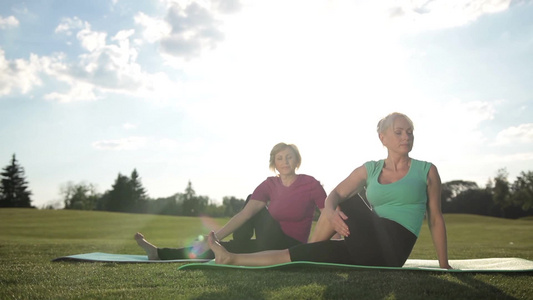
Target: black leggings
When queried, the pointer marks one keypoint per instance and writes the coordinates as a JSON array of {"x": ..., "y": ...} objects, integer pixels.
[
  {"x": 373, "y": 241},
  {"x": 268, "y": 236}
]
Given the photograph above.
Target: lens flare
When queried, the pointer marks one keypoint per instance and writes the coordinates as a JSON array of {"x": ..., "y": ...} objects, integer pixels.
[
  {"x": 199, "y": 245},
  {"x": 209, "y": 224}
]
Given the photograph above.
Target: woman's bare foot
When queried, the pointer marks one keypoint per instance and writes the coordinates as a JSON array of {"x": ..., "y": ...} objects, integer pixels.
[
  {"x": 150, "y": 249},
  {"x": 222, "y": 256}
]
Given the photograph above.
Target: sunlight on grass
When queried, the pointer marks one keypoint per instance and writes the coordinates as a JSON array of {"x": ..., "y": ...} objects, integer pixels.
[
  {"x": 298, "y": 292},
  {"x": 30, "y": 238}
]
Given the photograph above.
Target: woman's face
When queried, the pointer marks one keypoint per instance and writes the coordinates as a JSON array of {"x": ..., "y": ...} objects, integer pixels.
[
  {"x": 285, "y": 162},
  {"x": 399, "y": 137}
]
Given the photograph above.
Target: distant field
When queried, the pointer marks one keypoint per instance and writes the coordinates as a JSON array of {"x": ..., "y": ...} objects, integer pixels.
[{"x": 29, "y": 239}]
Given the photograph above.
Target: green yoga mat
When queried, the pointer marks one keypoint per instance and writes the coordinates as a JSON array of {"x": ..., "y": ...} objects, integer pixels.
[
  {"x": 463, "y": 265},
  {"x": 120, "y": 258}
]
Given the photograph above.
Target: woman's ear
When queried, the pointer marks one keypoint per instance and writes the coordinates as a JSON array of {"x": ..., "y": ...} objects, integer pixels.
[{"x": 381, "y": 138}]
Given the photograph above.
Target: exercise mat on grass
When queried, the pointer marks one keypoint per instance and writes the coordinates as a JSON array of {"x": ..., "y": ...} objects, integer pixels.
[
  {"x": 120, "y": 258},
  {"x": 458, "y": 265}
]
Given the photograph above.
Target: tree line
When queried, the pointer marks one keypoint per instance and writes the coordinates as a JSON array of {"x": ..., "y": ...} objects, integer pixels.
[
  {"x": 499, "y": 198},
  {"x": 128, "y": 195}
]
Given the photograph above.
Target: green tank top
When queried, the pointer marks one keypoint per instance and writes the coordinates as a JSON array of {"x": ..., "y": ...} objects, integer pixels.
[{"x": 403, "y": 201}]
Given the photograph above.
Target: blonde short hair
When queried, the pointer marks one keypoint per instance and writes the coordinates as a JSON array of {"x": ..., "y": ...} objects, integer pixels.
[
  {"x": 280, "y": 147},
  {"x": 387, "y": 122}
]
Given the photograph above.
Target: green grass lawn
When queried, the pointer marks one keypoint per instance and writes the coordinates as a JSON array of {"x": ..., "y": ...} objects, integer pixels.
[{"x": 29, "y": 239}]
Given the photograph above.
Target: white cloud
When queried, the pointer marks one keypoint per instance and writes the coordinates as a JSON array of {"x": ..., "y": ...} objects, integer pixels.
[
  {"x": 438, "y": 14},
  {"x": 521, "y": 134},
  {"x": 129, "y": 126},
  {"x": 10, "y": 21},
  {"x": 91, "y": 40},
  {"x": 464, "y": 115},
  {"x": 169, "y": 144},
  {"x": 129, "y": 143},
  {"x": 194, "y": 28},
  {"x": 104, "y": 67},
  {"x": 153, "y": 144},
  {"x": 68, "y": 25},
  {"x": 109, "y": 64},
  {"x": 19, "y": 74},
  {"x": 493, "y": 159},
  {"x": 227, "y": 6},
  {"x": 453, "y": 135},
  {"x": 79, "y": 91},
  {"x": 470, "y": 114},
  {"x": 154, "y": 29}
]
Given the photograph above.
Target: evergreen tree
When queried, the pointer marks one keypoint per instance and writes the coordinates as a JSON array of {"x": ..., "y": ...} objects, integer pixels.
[
  {"x": 522, "y": 190},
  {"x": 119, "y": 198},
  {"x": 14, "y": 187},
  {"x": 127, "y": 195},
  {"x": 189, "y": 199},
  {"x": 138, "y": 193},
  {"x": 232, "y": 205},
  {"x": 193, "y": 205},
  {"x": 501, "y": 192}
]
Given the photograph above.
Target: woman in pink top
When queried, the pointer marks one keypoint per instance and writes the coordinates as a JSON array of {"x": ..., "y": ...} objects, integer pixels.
[{"x": 280, "y": 210}]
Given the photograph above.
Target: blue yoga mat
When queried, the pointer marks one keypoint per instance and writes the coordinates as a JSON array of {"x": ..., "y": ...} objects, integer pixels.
[{"x": 120, "y": 258}]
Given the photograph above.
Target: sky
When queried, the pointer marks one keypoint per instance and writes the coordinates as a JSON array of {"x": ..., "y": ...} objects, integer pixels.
[{"x": 201, "y": 91}]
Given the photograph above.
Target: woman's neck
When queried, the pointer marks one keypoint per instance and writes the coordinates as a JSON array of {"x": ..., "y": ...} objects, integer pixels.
[
  {"x": 396, "y": 163},
  {"x": 287, "y": 179}
]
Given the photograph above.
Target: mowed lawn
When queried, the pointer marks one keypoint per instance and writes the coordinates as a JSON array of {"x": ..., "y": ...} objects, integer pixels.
[{"x": 30, "y": 239}]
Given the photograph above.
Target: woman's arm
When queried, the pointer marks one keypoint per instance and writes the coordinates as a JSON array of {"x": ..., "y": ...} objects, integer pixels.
[
  {"x": 249, "y": 210},
  {"x": 436, "y": 223},
  {"x": 353, "y": 184}
]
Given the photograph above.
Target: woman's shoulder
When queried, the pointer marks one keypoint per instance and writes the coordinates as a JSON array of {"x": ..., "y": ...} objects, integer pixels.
[
  {"x": 420, "y": 161},
  {"x": 373, "y": 164},
  {"x": 309, "y": 182},
  {"x": 271, "y": 179},
  {"x": 422, "y": 165},
  {"x": 425, "y": 164}
]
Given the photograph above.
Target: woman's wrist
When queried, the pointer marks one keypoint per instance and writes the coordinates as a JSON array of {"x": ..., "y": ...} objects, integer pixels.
[{"x": 444, "y": 264}]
